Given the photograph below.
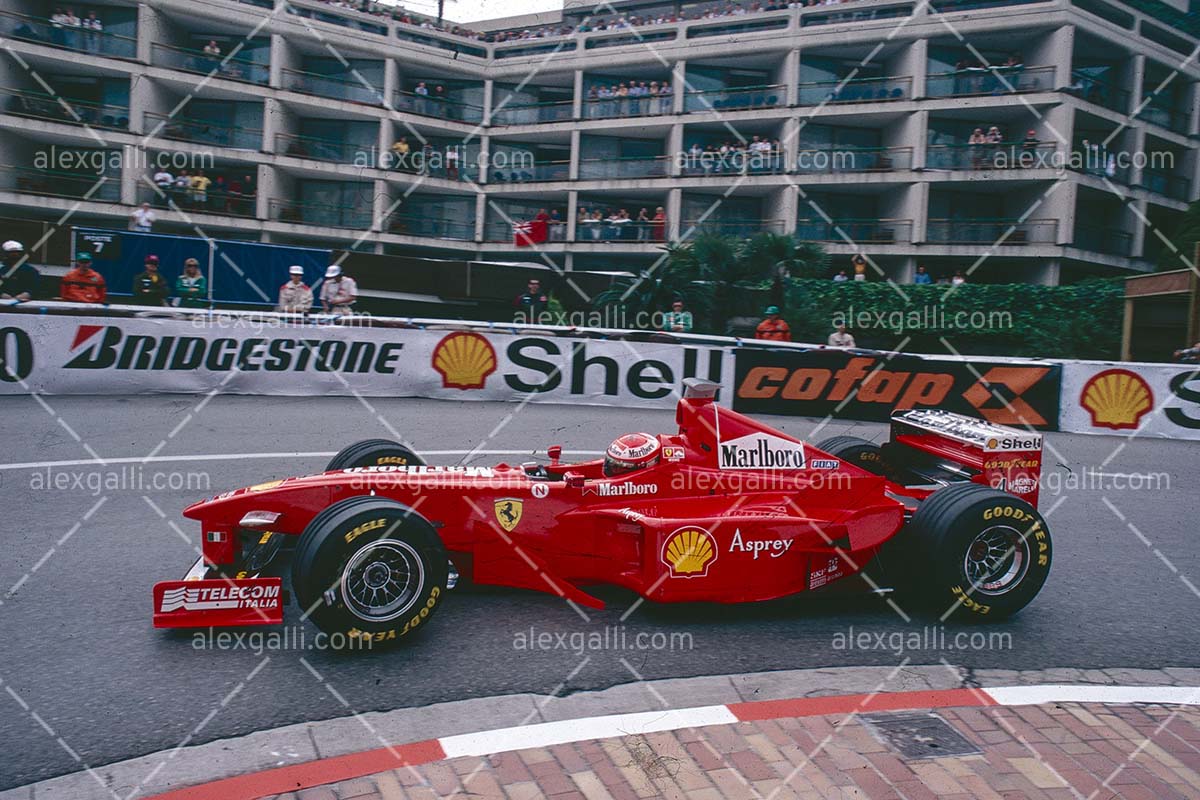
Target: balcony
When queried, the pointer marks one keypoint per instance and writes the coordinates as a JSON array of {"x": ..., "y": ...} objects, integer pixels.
[
  {"x": 989, "y": 232},
  {"x": 164, "y": 126},
  {"x": 690, "y": 228},
  {"x": 994, "y": 81},
  {"x": 55, "y": 108},
  {"x": 40, "y": 30},
  {"x": 533, "y": 113},
  {"x": 599, "y": 169},
  {"x": 737, "y": 162},
  {"x": 102, "y": 187},
  {"x": 835, "y": 160},
  {"x": 858, "y": 90},
  {"x": 350, "y": 90},
  {"x": 430, "y": 227},
  {"x": 217, "y": 201},
  {"x": 1102, "y": 239},
  {"x": 1006, "y": 155},
  {"x": 846, "y": 231},
  {"x": 426, "y": 106},
  {"x": 314, "y": 149},
  {"x": 618, "y": 107},
  {"x": 530, "y": 172},
  {"x": 743, "y": 98},
  {"x": 1175, "y": 187},
  {"x": 1102, "y": 93},
  {"x": 629, "y": 230},
  {"x": 1159, "y": 111},
  {"x": 328, "y": 215},
  {"x": 230, "y": 67}
]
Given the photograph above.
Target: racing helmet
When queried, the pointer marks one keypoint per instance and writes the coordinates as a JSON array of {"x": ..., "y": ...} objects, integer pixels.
[{"x": 630, "y": 453}]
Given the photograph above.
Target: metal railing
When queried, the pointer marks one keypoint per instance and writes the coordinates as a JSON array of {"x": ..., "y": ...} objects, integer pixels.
[
  {"x": 316, "y": 149},
  {"x": 736, "y": 162},
  {"x": 607, "y": 230},
  {"x": 83, "y": 40},
  {"x": 690, "y": 228},
  {"x": 1002, "y": 155},
  {"x": 104, "y": 186},
  {"x": 233, "y": 68},
  {"x": 829, "y": 160},
  {"x": 990, "y": 231},
  {"x": 165, "y": 126},
  {"x": 844, "y": 231},
  {"x": 616, "y": 168},
  {"x": 217, "y": 200},
  {"x": 428, "y": 227},
  {"x": 1162, "y": 112},
  {"x": 500, "y": 230},
  {"x": 613, "y": 107},
  {"x": 332, "y": 215},
  {"x": 531, "y": 172},
  {"x": 350, "y": 89},
  {"x": 443, "y": 108},
  {"x": 1094, "y": 90},
  {"x": 996, "y": 80},
  {"x": 532, "y": 113},
  {"x": 741, "y": 98},
  {"x": 56, "y": 108},
  {"x": 1176, "y": 187},
  {"x": 1102, "y": 239},
  {"x": 858, "y": 90}
]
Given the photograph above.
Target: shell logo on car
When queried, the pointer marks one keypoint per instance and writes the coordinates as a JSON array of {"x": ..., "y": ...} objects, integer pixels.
[
  {"x": 464, "y": 359},
  {"x": 1116, "y": 399},
  {"x": 688, "y": 552}
]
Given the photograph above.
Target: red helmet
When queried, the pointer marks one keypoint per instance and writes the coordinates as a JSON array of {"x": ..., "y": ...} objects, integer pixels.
[{"x": 632, "y": 452}]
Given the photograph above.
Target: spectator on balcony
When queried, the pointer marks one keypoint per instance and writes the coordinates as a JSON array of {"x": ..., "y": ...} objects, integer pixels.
[
  {"x": 642, "y": 229},
  {"x": 183, "y": 184},
  {"x": 1029, "y": 148},
  {"x": 452, "y": 163},
  {"x": 83, "y": 284},
  {"x": 400, "y": 153},
  {"x": 840, "y": 338},
  {"x": 959, "y": 278},
  {"x": 191, "y": 287},
  {"x": 141, "y": 219},
  {"x": 533, "y": 301},
  {"x": 212, "y": 56},
  {"x": 1188, "y": 355},
  {"x": 220, "y": 194},
  {"x": 241, "y": 196},
  {"x": 774, "y": 328},
  {"x": 71, "y": 28},
  {"x": 339, "y": 292},
  {"x": 422, "y": 102},
  {"x": 922, "y": 278},
  {"x": 199, "y": 188},
  {"x": 92, "y": 28},
  {"x": 163, "y": 181},
  {"x": 18, "y": 279},
  {"x": 677, "y": 320},
  {"x": 976, "y": 147},
  {"x": 841, "y": 277},
  {"x": 149, "y": 286},
  {"x": 440, "y": 107},
  {"x": 860, "y": 267},
  {"x": 294, "y": 296},
  {"x": 558, "y": 228},
  {"x": 665, "y": 100},
  {"x": 658, "y": 225}
]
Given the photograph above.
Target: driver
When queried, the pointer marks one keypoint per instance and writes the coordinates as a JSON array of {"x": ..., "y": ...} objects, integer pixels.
[{"x": 630, "y": 453}]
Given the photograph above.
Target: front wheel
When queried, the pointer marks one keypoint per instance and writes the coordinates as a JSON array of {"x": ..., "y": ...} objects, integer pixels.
[
  {"x": 981, "y": 553},
  {"x": 370, "y": 568}
]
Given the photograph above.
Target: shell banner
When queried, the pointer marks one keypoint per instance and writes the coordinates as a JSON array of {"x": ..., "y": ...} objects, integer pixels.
[{"x": 1131, "y": 399}]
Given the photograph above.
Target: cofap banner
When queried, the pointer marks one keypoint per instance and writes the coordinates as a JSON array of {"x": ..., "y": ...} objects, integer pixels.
[
  {"x": 1131, "y": 399},
  {"x": 66, "y": 354}
]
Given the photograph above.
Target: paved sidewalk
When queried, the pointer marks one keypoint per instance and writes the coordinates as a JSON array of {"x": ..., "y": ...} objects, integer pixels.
[{"x": 1065, "y": 750}]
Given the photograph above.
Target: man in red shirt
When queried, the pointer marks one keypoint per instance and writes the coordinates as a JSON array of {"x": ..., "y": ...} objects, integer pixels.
[
  {"x": 83, "y": 284},
  {"x": 773, "y": 328}
]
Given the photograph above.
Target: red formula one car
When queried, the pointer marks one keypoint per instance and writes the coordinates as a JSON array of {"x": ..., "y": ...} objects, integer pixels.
[{"x": 726, "y": 510}]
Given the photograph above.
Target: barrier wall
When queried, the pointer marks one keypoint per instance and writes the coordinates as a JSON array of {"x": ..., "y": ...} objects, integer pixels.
[{"x": 1131, "y": 399}]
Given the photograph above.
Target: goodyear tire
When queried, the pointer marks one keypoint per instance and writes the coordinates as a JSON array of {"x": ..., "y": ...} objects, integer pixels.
[
  {"x": 371, "y": 569},
  {"x": 977, "y": 552},
  {"x": 374, "y": 453},
  {"x": 856, "y": 451}
]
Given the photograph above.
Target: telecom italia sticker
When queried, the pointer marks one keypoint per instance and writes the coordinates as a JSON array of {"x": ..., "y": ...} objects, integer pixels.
[{"x": 760, "y": 451}]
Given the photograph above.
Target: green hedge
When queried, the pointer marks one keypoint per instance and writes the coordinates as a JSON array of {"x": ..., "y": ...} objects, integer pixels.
[{"x": 1080, "y": 320}]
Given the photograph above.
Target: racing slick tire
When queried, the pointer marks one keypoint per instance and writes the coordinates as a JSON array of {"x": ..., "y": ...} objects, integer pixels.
[
  {"x": 374, "y": 453},
  {"x": 371, "y": 569},
  {"x": 856, "y": 451},
  {"x": 977, "y": 553}
]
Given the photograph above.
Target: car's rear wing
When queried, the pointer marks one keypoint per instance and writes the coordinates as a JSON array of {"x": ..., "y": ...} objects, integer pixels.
[{"x": 940, "y": 447}]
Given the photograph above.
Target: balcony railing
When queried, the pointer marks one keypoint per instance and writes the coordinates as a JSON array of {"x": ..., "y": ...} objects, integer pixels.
[
  {"x": 501, "y": 230},
  {"x": 517, "y": 172},
  {"x": 405, "y": 224},
  {"x": 533, "y": 113},
  {"x": 332, "y": 215},
  {"x": 735, "y": 99},
  {"x": 104, "y": 186},
  {"x": 330, "y": 150},
  {"x": 612, "y": 107},
  {"x": 349, "y": 89},
  {"x": 1095, "y": 160},
  {"x": 165, "y": 126},
  {"x": 845, "y": 231},
  {"x": 429, "y": 106},
  {"x": 630, "y": 230},
  {"x": 737, "y": 162},
  {"x": 233, "y": 68},
  {"x": 218, "y": 200},
  {"x": 1174, "y": 186},
  {"x": 55, "y": 108},
  {"x": 990, "y": 231},
  {"x": 994, "y": 81},
  {"x": 727, "y": 227},
  {"x": 1102, "y": 93},
  {"x": 42, "y": 31},
  {"x": 830, "y": 160},
  {"x": 617, "y": 168},
  {"x": 1102, "y": 239},
  {"x": 447, "y": 161},
  {"x": 1005, "y": 155},
  {"x": 858, "y": 90},
  {"x": 1160, "y": 112}
]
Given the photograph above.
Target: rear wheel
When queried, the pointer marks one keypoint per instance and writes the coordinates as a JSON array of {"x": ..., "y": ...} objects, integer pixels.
[
  {"x": 859, "y": 452},
  {"x": 978, "y": 553},
  {"x": 374, "y": 453},
  {"x": 369, "y": 568}
]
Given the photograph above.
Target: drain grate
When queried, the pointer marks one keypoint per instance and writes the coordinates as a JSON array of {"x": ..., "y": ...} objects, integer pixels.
[{"x": 916, "y": 736}]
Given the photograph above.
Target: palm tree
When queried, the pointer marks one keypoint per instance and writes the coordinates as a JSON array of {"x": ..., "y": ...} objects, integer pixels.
[{"x": 675, "y": 277}]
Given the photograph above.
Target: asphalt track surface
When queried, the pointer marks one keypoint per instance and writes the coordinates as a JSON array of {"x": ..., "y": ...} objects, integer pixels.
[{"x": 84, "y": 672}]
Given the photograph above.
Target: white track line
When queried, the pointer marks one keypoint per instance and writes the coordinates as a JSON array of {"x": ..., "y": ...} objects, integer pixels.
[{"x": 1051, "y": 693}]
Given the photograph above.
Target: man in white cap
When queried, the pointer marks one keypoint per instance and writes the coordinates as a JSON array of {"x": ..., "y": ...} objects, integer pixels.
[
  {"x": 294, "y": 296},
  {"x": 18, "y": 279},
  {"x": 339, "y": 291}
]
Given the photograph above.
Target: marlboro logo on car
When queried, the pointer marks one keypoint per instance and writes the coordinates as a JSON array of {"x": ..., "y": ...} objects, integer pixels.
[{"x": 760, "y": 451}]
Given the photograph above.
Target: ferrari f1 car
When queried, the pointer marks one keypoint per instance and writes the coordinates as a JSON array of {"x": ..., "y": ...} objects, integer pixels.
[{"x": 725, "y": 510}]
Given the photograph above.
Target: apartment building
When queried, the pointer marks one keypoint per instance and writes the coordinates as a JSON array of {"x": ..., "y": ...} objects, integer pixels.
[{"x": 853, "y": 124}]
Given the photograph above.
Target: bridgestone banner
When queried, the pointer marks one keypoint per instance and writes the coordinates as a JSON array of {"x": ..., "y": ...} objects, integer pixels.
[
  {"x": 1131, "y": 399},
  {"x": 95, "y": 354}
]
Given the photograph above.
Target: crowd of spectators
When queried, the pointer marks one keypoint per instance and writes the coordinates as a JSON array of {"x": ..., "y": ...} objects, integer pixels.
[
  {"x": 195, "y": 190},
  {"x": 74, "y": 32},
  {"x": 617, "y": 224},
  {"x": 629, "y": 99},
  {"x": 759, "y": 154}
]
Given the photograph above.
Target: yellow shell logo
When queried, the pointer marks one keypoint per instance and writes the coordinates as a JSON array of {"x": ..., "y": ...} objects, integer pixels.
[
  {"x": 689, "y": 552},
  {"x": 1117, "y": 399},
  {"x": 464, "y": 360}
]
